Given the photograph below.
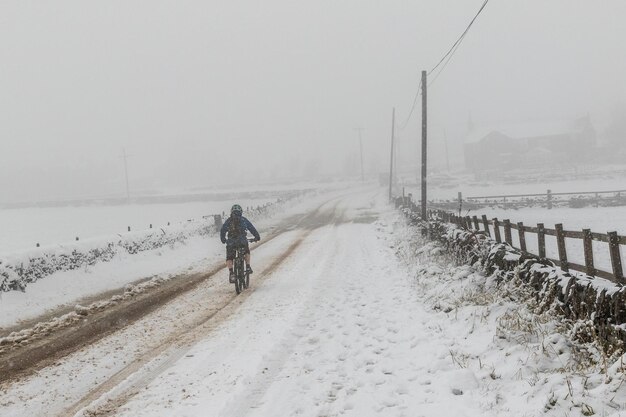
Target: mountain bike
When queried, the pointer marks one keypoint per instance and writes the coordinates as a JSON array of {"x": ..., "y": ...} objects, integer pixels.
[{"x": 242, "y": 277}]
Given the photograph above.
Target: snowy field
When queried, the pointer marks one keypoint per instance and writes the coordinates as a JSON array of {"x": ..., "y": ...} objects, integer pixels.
[
  {"x": 24, "y": 228},
  {"x": 357, "y": 321},
  {"x": 600, "y": 219},
  {"x": 472, "y": 188}
]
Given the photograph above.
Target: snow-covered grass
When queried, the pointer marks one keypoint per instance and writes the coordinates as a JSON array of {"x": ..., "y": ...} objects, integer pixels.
[
  {"x": 501, "y": 337},
  {"x": 50, "y": 227},
  {"x": 23, "y": 228},
  {"x": 501, "y": 185},
  {"x": 600, "y": 220}
]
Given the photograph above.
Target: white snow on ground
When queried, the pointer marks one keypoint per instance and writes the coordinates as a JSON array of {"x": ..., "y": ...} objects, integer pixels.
[
  {"x": 67, "y": 287},
  {"x": 23, "y": 228},
  {"x": 342, "y": 330},
  {"x": 600, "y": 220},
  {"x": 356, "y": 322},
  {"x": 522, "y": 185},
  {"x": 52, "y": 390}
]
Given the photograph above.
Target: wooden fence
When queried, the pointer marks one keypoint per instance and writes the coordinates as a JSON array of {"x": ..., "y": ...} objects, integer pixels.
[
  {"x": 505, "y": 228},
  {"x": 548, "y": 199}
]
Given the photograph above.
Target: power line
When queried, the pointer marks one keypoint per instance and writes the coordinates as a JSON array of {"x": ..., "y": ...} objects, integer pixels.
[
  {"x": 417, "y": 94},
  {"x": 446, "y": 57},
  {"x": 444, "y": 65},
  {"x": 456, "y": 44}
]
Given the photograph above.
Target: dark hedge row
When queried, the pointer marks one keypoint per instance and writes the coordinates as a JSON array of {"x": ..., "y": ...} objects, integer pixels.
[
  {"x": 17, "y": 275},
  {"x": 597, "y": 306}
]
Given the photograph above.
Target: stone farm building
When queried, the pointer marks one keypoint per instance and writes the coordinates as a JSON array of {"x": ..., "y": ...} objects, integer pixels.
[{"x": 528, "y": 144}]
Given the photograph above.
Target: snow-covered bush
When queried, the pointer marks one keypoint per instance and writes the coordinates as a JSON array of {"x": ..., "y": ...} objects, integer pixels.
[
  {"x": 596, "y": 307},
  {"x": 16, "y": 273}
]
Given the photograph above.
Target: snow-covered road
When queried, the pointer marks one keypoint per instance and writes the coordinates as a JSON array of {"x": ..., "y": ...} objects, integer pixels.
[
  {"x": 336, "y": 329},
  {"x": 332, "y": 325}
]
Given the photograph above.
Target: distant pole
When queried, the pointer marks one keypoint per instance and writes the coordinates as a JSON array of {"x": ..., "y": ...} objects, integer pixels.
[
  {"x": 393, "y": 124},
  {"x": 424, "y": 132},
  {"x": 360, "y": 129},
  {"x": 445, "y": 142},
  {"x": 126, "y": 174}
]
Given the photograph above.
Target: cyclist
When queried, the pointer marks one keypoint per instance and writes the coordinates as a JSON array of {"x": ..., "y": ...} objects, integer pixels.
[{"x": 236, "y": 226}]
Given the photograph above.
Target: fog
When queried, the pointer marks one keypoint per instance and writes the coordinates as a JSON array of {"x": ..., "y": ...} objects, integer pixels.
[{"x": 202, "y": 94}]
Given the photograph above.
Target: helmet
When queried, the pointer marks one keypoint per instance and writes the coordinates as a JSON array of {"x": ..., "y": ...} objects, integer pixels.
[{"x": 236, "y": 209}]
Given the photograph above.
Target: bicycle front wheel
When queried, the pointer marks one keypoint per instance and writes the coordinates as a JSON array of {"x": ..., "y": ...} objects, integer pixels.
[{"x": 238, "y": 275}]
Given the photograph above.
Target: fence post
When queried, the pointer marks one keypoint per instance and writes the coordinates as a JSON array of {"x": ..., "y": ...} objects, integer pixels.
[
  {"x": 476, "y": 225},
  {"x": 496, "y": 229},
  {"x": 218, "y": 222},
  {"x": 507, "y": 232},
  {"x": 468, "y": 222},
  {"x": 522, "y": 236},
  {"x": 588, "y": 248},
  {"x": 486, "y": 225},
  {"x": 541, "y": 240},
  {"x": 549, "y": 199},
  {"x": 560, "y": 242},
  {"x": 616, "y": 259},
  {"x": 460, "y": 202},
  {"x": 129, "y": 228}
]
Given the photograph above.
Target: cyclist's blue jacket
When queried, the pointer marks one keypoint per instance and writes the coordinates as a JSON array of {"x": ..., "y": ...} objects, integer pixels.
[{"x": 241, "y": 239}]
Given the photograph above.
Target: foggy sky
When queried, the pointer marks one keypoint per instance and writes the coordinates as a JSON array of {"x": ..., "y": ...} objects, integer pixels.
[{"x": 202, "y": 92}]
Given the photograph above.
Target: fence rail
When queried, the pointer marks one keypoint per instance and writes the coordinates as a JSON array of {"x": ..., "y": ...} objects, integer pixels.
[
  {"x": 548, "y": 199},
  {"x": 613, "y": 240}
]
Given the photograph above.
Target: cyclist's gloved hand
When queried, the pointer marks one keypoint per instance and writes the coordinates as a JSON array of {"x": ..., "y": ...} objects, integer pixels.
[{"x": 256, "y": 239}]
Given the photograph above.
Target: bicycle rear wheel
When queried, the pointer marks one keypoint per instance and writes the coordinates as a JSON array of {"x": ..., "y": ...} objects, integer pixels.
[{"x": 238, "y": 275}]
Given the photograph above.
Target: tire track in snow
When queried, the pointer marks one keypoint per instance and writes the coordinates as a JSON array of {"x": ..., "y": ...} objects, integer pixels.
[
  {"x": 51, "y": 347},
  {"x": 127, "y": 382},
  {"x": 121, "y": 387},
  {"x": 275, "y": 360}
]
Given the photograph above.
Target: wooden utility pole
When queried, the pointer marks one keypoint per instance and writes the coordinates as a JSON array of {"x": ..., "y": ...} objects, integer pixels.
[
  {"x": 393, "y": 124},
  {"x": 424, "y": 142},
  {"x": 360, "y": 129}
]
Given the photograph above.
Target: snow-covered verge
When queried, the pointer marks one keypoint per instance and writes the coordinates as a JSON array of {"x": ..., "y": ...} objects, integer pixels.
[
  {"x": 596, "y": 305},
  {"x": 19, "y": 270},
  {"x": 562, "y": 335}
]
